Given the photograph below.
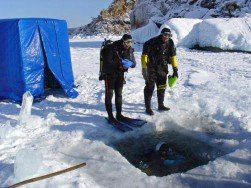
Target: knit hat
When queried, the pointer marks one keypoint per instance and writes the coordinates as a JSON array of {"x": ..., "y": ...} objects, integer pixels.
[
  {"x": 126, "y": 37},
  {"x": 165, "y": 30}
]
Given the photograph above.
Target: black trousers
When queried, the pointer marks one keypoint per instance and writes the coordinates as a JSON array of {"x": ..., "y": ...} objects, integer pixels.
[
  {"x": 114, "y": 83},
  {"x": 160, "y": 81}
]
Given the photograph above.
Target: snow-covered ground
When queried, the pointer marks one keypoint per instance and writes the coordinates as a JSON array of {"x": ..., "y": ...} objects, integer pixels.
[
  {"x": 213, "y": 87},
  {"x": 211, "y": 101}
]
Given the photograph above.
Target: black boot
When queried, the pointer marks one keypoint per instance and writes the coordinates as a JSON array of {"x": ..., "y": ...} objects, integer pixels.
[
  {"x": 163, "y": 108},
  {"x": 109, "y": 112},
  {"x": 120, "y": 117},
  {"x": 148, "y": 92},
  {"x": 113, "y": 121},
  {"x": 118, "y": 103},
  {"x": 108, "y": 103},
  {"x": 148, "y": 106},
  {"x": 149, "y": 111},
  {"x": 161, "y": 96},
  {"x": 111, "y": 117}
]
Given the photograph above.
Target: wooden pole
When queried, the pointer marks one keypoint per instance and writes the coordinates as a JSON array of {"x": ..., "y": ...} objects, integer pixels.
[{"x": 47, "y": 175}]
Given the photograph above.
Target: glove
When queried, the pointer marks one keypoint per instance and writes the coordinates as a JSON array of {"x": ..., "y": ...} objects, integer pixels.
[
  {"x": 126, "y": 63},
  {"x": 175, "y": 72},
  {"x": 144, "y": 73},
  {"x": 133, "y": 65},
  {"x": 101, "y": 76}
]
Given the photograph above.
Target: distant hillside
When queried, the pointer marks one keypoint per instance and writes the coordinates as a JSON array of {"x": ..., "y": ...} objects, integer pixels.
[
  {"x": 125, "y": 15},
  {"x": 113, "y": 20}
]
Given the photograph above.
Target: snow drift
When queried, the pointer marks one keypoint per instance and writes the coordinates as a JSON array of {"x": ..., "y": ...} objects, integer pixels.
[{"x": 223, "y": 33}]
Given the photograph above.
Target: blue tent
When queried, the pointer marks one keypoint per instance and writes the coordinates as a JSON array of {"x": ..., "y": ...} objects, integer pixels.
[{"x": 34, "y": 54}]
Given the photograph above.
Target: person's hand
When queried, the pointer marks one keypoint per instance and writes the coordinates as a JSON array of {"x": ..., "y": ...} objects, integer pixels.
[
  {"x": 133, "y": 65},
  {"x": 144, "y": 73},
  {"x": 175, "y": 72},
  {"x": 126, "y": 63},
  {"x": 101, "y": 76}
]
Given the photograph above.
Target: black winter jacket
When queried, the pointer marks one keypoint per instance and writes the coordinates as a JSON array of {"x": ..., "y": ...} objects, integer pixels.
[
  {"x": 115, "y": 53},
  {"x": 158, "y": 54}
]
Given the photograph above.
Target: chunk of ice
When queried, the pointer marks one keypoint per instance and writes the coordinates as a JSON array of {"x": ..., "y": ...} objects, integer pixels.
[
  {"x": 25, "y": 111},
  {"x": 27, "y": 163}
]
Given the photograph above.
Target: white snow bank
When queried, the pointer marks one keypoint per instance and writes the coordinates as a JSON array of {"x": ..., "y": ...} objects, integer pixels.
[
  {"x": 223, "y": 33},
  {"x": 144, "y": 33},
  {"x": 184, "y": 31}
]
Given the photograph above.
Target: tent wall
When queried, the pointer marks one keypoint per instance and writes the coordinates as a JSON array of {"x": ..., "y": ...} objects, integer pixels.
[
  {"x": 56, "y": 46},
  {"x": 64, "y": 51},
  {"x": 32, "y": 56},
  {"x": 11, "y": 83}
]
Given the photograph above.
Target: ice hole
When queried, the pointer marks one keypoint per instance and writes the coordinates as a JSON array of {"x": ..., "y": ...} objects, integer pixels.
[{"x": 167, "y": 152}]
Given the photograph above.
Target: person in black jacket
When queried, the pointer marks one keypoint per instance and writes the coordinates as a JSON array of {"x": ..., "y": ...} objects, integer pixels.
[
  {"x": 157, "y": 53},
  {"x": 117, "y": 60}
]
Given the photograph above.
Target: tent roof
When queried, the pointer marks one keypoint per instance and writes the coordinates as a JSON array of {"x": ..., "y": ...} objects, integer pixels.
[{"x": 18, "y": 19}]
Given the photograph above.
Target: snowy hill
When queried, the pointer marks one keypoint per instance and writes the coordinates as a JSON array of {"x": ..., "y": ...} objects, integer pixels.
[{"x": 160, "y": 11}]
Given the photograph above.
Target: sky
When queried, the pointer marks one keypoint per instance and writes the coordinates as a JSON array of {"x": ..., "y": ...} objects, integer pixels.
[{"x": 75, "y": 12}]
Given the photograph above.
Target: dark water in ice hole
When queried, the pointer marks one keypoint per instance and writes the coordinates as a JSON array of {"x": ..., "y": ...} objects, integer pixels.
[{"x": 195, "y": 152}]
